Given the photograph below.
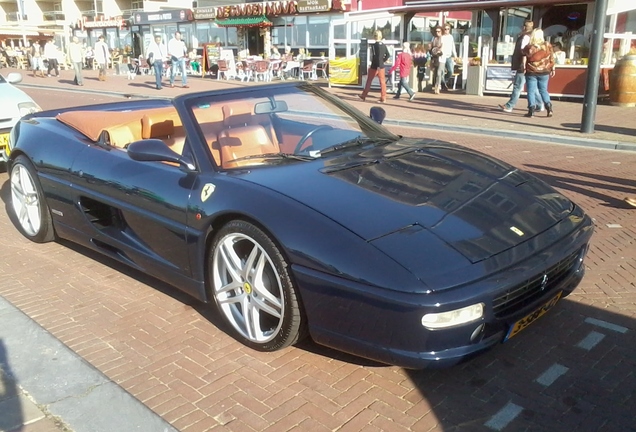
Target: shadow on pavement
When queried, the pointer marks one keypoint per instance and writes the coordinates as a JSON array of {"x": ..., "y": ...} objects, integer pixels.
[
  {"x": 591, "y": 188},
  {"x": 10, "y": 407},
  {"x": 548, "y": 375}
]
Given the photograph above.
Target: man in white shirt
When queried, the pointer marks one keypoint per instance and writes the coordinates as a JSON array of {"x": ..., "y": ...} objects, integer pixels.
[
  {"x": 178, "y": 51},
  {"x": 157, "y": 54},
  {"x": 50, "y": 53},
  {"x": 448, "y": 53},
  {"x": 76, "y": 56}
]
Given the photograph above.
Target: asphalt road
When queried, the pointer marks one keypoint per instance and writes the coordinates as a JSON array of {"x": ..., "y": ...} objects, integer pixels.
[{"x": 571, "y": 370}]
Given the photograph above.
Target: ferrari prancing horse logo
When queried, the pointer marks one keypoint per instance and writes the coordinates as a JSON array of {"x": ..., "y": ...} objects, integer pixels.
[{"x": 207, "y": 190}]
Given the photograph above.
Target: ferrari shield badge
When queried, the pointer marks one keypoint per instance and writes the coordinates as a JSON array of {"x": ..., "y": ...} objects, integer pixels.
[{"x": 207, "y": 191}]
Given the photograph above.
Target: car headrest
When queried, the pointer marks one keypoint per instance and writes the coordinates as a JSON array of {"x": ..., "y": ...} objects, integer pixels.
[
  {"x": 237, "y": 115},
  {"x": 151, "y": 128}
]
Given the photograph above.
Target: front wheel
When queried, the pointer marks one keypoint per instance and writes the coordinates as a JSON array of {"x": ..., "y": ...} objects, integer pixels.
[
  {"x": 28, "y": 206},
  {"x": 252, "y": 288}
]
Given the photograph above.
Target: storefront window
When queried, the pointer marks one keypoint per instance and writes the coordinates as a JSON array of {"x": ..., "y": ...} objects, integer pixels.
[
  {"x": 362, "y": 29},
  {"x": 340, "y": 31},
  {"x": 318, "y": 31},
  {"x": 299, "y": 31}
]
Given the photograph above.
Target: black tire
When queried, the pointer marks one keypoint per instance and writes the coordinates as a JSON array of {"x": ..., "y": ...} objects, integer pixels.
[
  {"x": 252, "y": 288},
  {"x": 29, "y": 210}
]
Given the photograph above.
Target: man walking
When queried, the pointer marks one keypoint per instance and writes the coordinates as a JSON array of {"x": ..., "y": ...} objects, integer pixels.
[
  {"x": 379, "y": 55},
  {"x": 157, "y": 54},
  {"x": 519, "y": 67},
  {"x": 76, "y": 56},
  {"x": 101, "y": 57},
  {"x": 50, "y": 53},
  {"x": 178, "y": 51}
]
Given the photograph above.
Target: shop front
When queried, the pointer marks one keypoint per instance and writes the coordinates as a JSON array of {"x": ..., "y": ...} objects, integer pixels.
[
  {"x": 485, "y": 32},
  {"x": 295, "y": 26},
  {"x": 145, "y": 25},
  {"x": 115, "y": 31}
]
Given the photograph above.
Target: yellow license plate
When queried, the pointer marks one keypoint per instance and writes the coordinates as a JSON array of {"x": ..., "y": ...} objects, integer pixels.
[
  {"x": 4, "y": 140},
  {"x": 532, "y": 317}
]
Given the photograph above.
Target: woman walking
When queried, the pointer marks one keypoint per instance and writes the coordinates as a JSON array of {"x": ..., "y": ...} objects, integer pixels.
[
  {"x": 539, "y": 68},
  {"x": 379, "y": 55},
  {"x": 438, "y": 61}
]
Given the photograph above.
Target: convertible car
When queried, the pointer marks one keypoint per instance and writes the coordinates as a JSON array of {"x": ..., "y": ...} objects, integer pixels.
[{"x": 295, "y": 215}]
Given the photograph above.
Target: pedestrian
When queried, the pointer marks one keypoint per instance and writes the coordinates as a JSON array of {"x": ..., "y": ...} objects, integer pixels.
[
  {"x": 157, "y": 54},
  {"x": 76, "y": 56},
  {"x": 102, "y": 56},
  {"x": 437, "y": 60},
  {"x": 449, "y": 54},
  {"x": 379, "y": 55},
  {"x": 37, "y": 62},
  {"x": 420, "y": 58},
  {"x": 194, "y": 64},
  {"x": 404, "y": 62},
  {"x": 178, "y": 52},
  {"x": 51, "y": 53},
  {"x": 518, "y": 66},
  {"x": 539, "y": 68}
]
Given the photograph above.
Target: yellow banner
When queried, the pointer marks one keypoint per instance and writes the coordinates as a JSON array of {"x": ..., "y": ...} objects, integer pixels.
[{"x": 343, "y": 71}]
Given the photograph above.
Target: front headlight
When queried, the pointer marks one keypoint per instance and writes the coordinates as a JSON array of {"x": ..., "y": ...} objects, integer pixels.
[
  {"x": 28, "y": 108},
  {"x": 453, "y": 318}
]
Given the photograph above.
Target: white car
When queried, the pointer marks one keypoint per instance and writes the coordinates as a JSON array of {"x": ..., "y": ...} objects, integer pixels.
[{"x": 14, "y": 104}]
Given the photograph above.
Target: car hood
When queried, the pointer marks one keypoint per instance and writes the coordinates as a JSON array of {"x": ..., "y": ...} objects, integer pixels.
[
  {"x": 10, "y": 97},
  {"x": 477, "y": 205}
]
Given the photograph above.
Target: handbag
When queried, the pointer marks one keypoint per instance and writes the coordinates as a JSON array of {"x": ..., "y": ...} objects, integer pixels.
[{"x": 151, "y": 59}]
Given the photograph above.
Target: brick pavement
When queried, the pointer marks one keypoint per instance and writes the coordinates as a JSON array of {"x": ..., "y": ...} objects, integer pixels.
[{"x": 572, "y": 369}]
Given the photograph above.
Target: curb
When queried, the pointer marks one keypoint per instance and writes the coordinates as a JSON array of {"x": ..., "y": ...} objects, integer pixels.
[
  {"x": 65, "y": 385},
  {"x": 532, "y": 136}
]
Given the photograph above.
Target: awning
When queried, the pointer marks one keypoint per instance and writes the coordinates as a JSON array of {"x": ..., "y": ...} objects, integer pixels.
[
  {"x": 13, "y": 32},
  {"x": 254, "y": 21}
]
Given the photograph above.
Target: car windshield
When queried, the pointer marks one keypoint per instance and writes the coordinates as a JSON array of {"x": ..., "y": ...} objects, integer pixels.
[{"x": 281, "y": 124}]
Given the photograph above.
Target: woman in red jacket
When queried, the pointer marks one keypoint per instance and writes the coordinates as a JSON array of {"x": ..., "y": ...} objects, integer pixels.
[
  {"x": 404, "y": 62},
  {"x": 539, "y": 68}
]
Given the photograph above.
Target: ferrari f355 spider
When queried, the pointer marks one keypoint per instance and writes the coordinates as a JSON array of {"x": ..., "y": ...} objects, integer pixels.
[{"x": 296, "y": 215}]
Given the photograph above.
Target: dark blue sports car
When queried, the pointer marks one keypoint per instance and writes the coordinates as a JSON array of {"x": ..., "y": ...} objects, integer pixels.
[{"x": 296, "y": 215}]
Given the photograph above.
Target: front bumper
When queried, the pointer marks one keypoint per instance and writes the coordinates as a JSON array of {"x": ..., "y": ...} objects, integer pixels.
[{"x": 385, "y": 326}]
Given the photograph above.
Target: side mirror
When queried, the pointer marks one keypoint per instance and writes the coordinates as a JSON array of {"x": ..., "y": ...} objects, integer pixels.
[
  {"x": 377, "y": 114},
  {"x": 14, "y": 77},
  {"x": 155, "y": 150}
]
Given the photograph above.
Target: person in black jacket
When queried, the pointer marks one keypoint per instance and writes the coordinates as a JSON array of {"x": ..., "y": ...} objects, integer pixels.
[{"x": 379, "y": 55}]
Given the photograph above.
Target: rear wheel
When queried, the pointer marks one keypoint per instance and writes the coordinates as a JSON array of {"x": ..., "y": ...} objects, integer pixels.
[
  {"x": 28, "y": 205},
  {"x": 252, "y": 288}
]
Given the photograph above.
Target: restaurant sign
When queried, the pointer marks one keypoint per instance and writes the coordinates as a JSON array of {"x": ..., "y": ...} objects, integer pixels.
[
  {"x": 268, "y": 8},
  {"x": 304, "y": 6},
  {"x": 119, "y": 22},
  {"x": 163, "y": 16}
]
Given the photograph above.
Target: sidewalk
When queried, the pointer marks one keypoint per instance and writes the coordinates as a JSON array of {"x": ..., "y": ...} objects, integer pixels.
[{"x": 615, "y": 127}]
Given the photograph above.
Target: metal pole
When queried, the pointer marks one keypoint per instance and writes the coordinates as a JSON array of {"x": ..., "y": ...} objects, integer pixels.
[{"x": 594, "y": 67}]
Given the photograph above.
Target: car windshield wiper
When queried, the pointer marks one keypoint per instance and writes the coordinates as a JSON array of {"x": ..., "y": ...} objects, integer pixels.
[
  {"x": 357, "y": 141},
  {"x": 276, "y": 156}
]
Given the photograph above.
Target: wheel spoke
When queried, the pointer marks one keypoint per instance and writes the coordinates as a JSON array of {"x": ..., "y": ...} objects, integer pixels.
[
  {"x": 261, "y": 304},
  {"x": 232, "y": 262}
]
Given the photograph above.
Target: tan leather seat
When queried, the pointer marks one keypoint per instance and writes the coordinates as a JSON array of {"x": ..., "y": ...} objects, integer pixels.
[
  {"x": 242, "y": 137},
  {"x": 164, "y": 130}
]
